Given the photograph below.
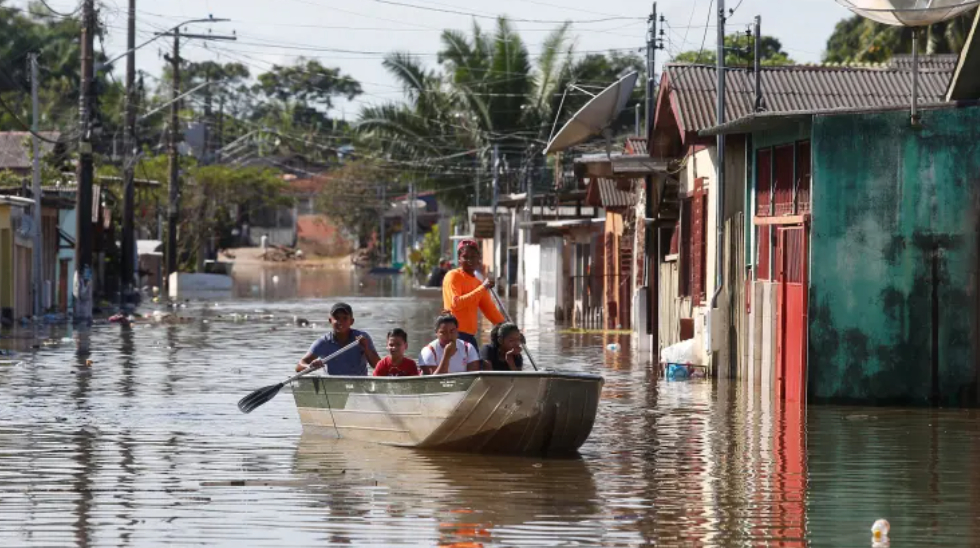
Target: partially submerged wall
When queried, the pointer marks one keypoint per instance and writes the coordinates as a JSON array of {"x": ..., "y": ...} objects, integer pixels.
[{"x": 894, "y": 260}]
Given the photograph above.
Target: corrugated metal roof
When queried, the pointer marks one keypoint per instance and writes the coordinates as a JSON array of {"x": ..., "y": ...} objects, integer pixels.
[
  {"x": 636, "y": 145},
  {"x": 609, "y": 195},
  {"x": 795, "y": 89},
  {"x": 944, "y": 62}
]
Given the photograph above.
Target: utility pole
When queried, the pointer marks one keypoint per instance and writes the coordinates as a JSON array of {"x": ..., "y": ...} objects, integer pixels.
[
  {"x": 719, "y": 183},
  {"x": 82, "y": 287},
  {"x": 206, "y": 156},
  {"x": 495, "y": 166},
  {"x": 128, "y": 268},
  {"x": 651, "y": 65},
  {"x": 37, "y": 193},
  {"x": 757, "y": 63},
  {"x": 220, "y": 141},
  {"x": 173, "y": 188},
  {"x": 173, "y": 206},
  {"x": 476, "y": 178}
]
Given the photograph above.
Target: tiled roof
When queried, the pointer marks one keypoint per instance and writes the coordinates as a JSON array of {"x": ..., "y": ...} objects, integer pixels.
[
  {"x": 609, "y": 196},
  {"x": 794, "y": 89},
  {"x": 15, "y": 148}
]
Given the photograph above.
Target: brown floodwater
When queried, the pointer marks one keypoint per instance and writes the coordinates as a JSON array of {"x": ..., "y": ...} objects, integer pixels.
[{"x": 146, "y": 447}]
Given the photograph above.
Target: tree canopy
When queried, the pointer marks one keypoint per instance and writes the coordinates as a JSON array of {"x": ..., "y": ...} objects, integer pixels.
[
  {"x": 740, "y": 52},
  {"x": 860, "y": 40}
]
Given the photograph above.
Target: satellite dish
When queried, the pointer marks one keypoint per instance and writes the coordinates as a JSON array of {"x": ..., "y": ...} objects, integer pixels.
[
  {"x": 596, "y": 115},
  {"x": 909, "y": 13}
]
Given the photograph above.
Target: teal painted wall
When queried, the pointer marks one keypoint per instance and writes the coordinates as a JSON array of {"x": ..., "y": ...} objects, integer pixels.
[{"x": 894, "y": 259}]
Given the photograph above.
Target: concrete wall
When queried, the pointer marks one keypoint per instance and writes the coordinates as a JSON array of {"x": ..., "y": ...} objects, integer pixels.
[{"x": 894, "y": 258}]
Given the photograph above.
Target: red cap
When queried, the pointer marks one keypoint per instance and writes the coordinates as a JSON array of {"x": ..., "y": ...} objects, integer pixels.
[{"x": 465, "y": 243}]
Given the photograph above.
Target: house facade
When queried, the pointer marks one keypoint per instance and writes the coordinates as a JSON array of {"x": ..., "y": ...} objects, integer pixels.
[
  {"x": 856, "y": 215},
  {"x": 745, "y": 317},
  {"x": 15, "y": 258}
]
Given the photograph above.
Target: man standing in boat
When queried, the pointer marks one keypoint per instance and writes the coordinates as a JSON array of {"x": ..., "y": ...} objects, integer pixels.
[
  {"x": 463, "y": 294},
  {"x": 353, "y": 362}
]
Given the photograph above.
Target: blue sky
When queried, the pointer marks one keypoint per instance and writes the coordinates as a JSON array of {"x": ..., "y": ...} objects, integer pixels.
[{"x": 353, "y": 35}]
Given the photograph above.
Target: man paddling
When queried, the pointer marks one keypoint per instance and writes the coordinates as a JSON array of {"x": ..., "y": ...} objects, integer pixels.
[
  {"x": 353, "y": 362},
  {"x": 463, "y": 294}
]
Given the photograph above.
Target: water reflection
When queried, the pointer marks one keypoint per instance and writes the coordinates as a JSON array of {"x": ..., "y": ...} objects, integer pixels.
[
  {"x": 146, "y": 447},
  {"x": 466, "y": 498}
]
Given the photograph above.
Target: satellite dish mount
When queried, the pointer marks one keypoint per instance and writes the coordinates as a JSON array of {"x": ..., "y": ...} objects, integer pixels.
[{"x": 914, "y": 14}]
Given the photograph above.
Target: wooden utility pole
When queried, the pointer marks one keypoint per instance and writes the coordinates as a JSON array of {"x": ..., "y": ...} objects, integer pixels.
[
  {"x": 37, "y": 194},
  {"x": 127, "y": 272},
  {"x": 82, "y": 287},
  {"x": 173, "y": 189}
]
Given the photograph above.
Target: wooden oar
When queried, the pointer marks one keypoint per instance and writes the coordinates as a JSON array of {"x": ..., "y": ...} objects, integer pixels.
[
  {"x": 261, "y": 396},
  {"x": 503, "y": 309}
]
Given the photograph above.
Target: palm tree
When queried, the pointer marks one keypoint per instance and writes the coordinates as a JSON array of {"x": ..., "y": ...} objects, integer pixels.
[{"x": 488, "y": 93}]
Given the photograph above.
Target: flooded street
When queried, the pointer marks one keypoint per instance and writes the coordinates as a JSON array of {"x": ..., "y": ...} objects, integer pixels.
[{"x": 146, "y": 447}]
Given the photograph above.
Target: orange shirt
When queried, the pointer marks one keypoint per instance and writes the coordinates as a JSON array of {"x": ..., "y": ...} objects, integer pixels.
[{"x": 463, "y": 294}]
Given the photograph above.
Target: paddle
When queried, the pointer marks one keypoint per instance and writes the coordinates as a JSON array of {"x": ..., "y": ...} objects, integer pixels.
[
  {"x": 503, "y": 309},
  {"x": 261, "y": 396}
]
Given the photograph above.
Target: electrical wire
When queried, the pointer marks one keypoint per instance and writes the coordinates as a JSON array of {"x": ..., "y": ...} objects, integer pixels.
[
  {"x": 516, "y": 20},
  {"x": 58, "y": 13}
]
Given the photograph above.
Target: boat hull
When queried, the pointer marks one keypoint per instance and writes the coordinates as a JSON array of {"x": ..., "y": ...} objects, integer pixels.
[{"x": 486, "y": 412}]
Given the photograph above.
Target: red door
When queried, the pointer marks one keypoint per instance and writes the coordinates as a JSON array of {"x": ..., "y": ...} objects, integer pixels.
[{"x": 791, "y": 310}]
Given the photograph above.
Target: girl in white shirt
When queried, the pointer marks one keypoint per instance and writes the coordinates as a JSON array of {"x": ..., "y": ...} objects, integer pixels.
[{"x": 448, "y": 353}]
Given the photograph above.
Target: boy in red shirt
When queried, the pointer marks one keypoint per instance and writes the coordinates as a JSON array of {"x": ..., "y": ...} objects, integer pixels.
[{"x": 395, "y": 364}]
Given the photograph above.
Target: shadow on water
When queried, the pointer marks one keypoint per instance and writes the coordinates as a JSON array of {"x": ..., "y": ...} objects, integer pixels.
[{"x": 146, "y": 447}]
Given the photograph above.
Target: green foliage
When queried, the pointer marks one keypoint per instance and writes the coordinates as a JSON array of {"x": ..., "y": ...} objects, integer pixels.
[
  {"x": 56, "y": 41},
  {"x": 860, "y": 40},
  {"x": 431, "y": 249},
  {"x": 489, "y": 90},
  {"x": 350, "y": 196},
  {"x": 213, "y": 199},
  {"x": 740, "y": 52}
]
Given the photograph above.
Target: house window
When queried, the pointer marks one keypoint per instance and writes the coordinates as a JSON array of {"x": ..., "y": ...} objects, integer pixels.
[
  {"x": 785, "y": 180},
  {"x": 803, "y": 177},
  {"x": 693, "y": 252},
  {"x": 763, "y": 181},
  {"x": 684, "y": 262}
]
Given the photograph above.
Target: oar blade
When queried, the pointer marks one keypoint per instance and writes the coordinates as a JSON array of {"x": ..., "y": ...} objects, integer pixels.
[{"x": 257, "y": 398}]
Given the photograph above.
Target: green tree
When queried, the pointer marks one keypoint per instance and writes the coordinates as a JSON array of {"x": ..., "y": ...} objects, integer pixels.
[
  {"x": 56, "y": 41},
  {"x": 860, "y": 40},
  {"x": 740, "y": 52},
  {"x": 490, "y": 91},
  {"x": 350, "y": 196}
]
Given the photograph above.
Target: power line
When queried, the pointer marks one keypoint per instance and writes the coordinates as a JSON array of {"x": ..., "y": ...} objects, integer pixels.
[
  {"x": 21, "y": 123},
  {"x": 74, "y": 12},
  {"x": 516, "y": 20}
]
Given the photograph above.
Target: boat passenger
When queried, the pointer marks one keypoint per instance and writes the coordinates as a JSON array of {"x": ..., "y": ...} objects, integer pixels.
[
  {"x": 463, "y": 294},
  {"x": 396, "y": 364},
  {"x": 504, "y": 351},
  {"x": 438, "y": 273},
  {"x": 449, "y": 353},
  {"x": 353, "y": 362}
]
